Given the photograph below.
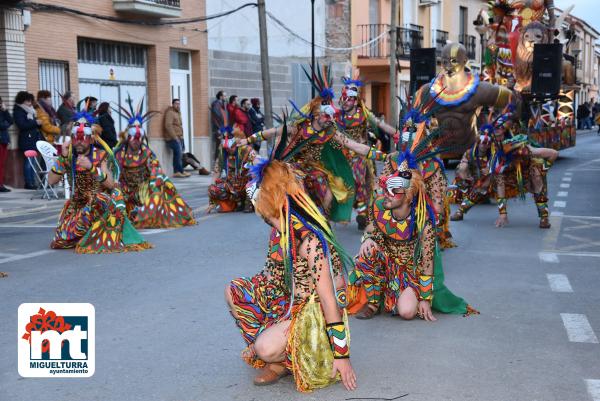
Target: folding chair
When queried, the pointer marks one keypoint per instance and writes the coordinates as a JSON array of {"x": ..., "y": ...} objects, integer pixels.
[{"x": 41, "y": 175}]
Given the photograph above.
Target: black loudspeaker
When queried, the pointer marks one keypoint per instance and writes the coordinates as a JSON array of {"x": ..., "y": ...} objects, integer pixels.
[
  {"x": 547, "y": 70},
  {"x": 422, "y": 67}
]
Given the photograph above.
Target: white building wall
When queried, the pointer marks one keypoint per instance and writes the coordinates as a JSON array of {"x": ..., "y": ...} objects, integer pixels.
[{"x": 239, "y": 32}]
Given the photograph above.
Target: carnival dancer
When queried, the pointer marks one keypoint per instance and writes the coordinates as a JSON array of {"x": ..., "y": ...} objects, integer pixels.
[
  {"x": 151, "y": 198},
  {"x": 477, "y": 177},
  {"x": 227, "y": 193},
  {"x": 356, "y": 121},
  {"x": 94, "y": 219},
  {"x": 525, "y": 169},
  {"x": 313, "y": 147},
  {"x": 399, "y": 248},
  {"x": 292, "y": 314}
]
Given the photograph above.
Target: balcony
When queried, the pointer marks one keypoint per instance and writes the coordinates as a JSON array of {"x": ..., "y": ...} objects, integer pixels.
[
  {"x": 379, "y": 49},
  {"x": 439, "y": 40},
  {"x": 470, "y": 43},
  {"x": 407, "y": 39},
  {"x": 149, "y": 8}
]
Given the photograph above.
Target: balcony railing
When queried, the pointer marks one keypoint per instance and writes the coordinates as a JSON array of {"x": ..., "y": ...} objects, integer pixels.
[
  {"x": 440, "y": 38},
  {"x": 470, "y": 43},
  {"x": 379, "y": 49},
  {"x": 153, "y": 8},
  {"x": 409, "y": 38}
]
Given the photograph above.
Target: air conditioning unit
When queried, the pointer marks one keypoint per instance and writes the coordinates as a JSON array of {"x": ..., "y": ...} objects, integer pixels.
[{"x": 425, "y": 3}]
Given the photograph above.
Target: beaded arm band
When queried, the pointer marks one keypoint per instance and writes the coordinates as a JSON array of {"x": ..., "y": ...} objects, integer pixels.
[
  {"x": 366, "y": 236},
  {"x": 338, "y": 340},
  {"x": 60, "y": 165},
  {"x": 501, "y": 205},
  {"x": 99, "y": 174},
  {"x": 256, "y": 138},
  {"x": 426, "y": 287},
  {"x": 376, "y": 155}
]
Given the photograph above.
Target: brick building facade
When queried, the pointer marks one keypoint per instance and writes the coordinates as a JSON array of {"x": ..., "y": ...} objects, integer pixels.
[{"x": 61, "y": 51}]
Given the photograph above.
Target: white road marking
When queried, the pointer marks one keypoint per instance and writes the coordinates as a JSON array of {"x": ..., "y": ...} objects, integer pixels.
[
  {"x": 567, "y": 179},
  {"x": 557, "y": 213},
  {"x": 578, "y": 328},
  {"x": 551, "y": 236},
  {"x": 548, "y": 257},
  {"x": 562, "y": 194},
  {"x": 565, "y": 185},
  {"x": 152, "y": 231},
  {"x": 593, "y": 388},
  {"x": 570, "y": 216},
  {"x": 559, "y": 204},
  {"x": 26, "y": 256},
  {"x": 578, "y": 254},
  {"x": 568, "y": 173},
  {"x": 27, "y": 225},
  {"x": 559, "y": 283}
]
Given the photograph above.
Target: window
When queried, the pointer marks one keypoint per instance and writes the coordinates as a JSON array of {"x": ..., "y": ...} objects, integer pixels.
[
  {"x": 113, "y": 53},
  {"x": 54, "y": 77},
  {"x": 463, "y": 19},
  {"x": 301, "y": 87},
  {"x": 180, "y": 60}
]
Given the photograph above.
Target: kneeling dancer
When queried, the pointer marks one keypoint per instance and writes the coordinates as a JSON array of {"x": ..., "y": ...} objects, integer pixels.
[
  {"x": 94, "y": 219},
  {"x": 292, "y": 314},
  {"x": 150, "y": 196}
]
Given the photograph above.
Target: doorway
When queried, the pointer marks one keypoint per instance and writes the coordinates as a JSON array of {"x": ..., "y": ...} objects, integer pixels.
[{"x": 180, "y": 89}]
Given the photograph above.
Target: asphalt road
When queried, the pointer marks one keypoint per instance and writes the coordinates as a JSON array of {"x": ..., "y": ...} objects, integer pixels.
[{"x": 163, "y": 331}]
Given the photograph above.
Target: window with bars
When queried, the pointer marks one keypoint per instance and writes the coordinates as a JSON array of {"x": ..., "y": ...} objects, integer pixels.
[
  {"x": 113, "y": 53},
  {"x": 54, "y": 77}
]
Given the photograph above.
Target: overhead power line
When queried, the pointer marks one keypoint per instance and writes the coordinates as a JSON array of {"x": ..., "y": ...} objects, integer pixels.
[{"x": 54, "y": 8}]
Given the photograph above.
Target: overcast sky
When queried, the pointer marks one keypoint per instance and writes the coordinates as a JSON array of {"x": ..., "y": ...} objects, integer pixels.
[{"x": 588, "y": 10}]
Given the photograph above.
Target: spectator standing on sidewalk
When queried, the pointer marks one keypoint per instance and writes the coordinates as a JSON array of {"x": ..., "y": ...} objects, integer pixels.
[
  {"x": 50, "y": 127},
  {"x": 219, "y": 119},
  {"x": 257, "y": 119},
  {"x": 26, "y": 120},
  {"x": 66, "y": 111},
  {"x": 583, "y": 116},
  {"x": 5, "y": 122},
  {"x": 109, "y": 133},
  {"x": 174, "y": 137}
]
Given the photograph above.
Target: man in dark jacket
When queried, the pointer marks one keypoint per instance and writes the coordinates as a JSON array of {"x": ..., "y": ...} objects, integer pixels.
[
  {"x": 109, "y": 133},
  {"x": 26, "y": 120},
  {"x": 219, "y": 119},
  {"x": 257, "y": 119},
  {"x": 5, "y": 122}
]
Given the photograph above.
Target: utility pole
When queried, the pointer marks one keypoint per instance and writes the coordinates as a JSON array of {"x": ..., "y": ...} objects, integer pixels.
[
  {"x": 393, "y": 116},
  {"x": 264, "y": 64}
]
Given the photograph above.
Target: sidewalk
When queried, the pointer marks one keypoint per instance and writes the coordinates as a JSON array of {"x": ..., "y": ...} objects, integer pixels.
[{"x": 19, "y": 201}]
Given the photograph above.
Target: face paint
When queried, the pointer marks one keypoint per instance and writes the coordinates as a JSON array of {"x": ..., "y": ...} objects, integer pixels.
[
  {"x": 252, "y": 192},
  {"x": 136, "y": 132},
  {"x": 80, "y": 131}
]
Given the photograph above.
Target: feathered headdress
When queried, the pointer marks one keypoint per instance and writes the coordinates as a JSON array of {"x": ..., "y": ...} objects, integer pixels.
[
  {"x": 136, "y": 118},
  {"x": 352, "y": 82},
  {"x": 85, "y": 125},
  {"x": 295, "y": 209},
  {"x": 320, "y": 79}
]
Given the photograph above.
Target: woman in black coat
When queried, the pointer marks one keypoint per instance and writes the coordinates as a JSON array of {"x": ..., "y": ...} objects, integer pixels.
[
  {"x": 109, "y": 133},
  {"x": 26, "y": 120}
]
